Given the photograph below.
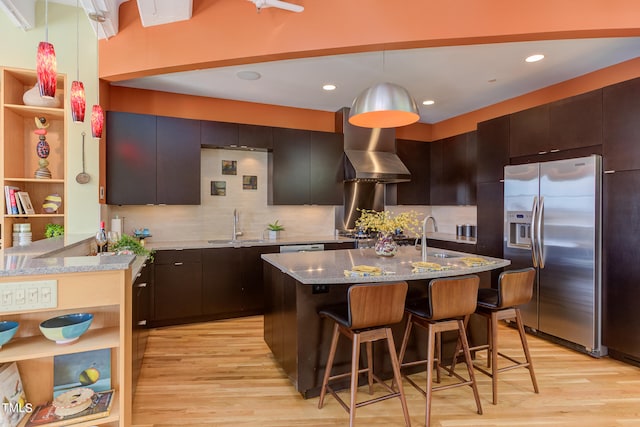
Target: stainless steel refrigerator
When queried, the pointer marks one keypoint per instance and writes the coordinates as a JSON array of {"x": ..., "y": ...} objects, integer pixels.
[{"x": 553, "y": 223}]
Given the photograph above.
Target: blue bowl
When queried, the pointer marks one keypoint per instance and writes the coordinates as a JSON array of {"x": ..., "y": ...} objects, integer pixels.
[
  {"x": 67, "y": 328},
  {"x": 8, "y": 329}
]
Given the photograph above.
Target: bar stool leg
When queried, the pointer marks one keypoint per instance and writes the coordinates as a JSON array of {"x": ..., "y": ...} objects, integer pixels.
[
  {"x": 355, "y": 367},
  {"x": 525, "y": 347},
  {"x": 396, "y": 375},
  {"x": 494, "y": 355},
  {"x": 327, "y": 370},
  {"x": 429, "y": 391},
  {"x": 370, "y": 365},
  {"x": 467, "y": 357}
]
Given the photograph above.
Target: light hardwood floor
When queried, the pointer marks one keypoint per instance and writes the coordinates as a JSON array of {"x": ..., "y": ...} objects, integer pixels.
[{"x": 222, "y": 374}]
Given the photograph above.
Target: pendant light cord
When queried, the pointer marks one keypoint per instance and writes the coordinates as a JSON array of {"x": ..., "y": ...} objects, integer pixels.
[
  {"x": 77, "y": 40},
  {"x": 46, "y": 20}
]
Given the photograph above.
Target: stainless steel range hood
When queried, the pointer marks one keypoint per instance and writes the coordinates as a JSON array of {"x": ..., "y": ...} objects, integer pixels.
[{"x": 370, "y": 153}]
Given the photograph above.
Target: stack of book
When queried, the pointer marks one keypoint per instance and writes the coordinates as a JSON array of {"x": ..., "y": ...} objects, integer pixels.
[{"x": 17, "y": 202}]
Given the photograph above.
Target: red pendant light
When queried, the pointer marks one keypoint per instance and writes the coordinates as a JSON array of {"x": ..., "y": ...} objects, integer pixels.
[
  {"x": 78, "y": 99},
  {"x": 97, "y": 121},
  {"x": 78, "y": 102},
  {"x": 46, "y": 62}
]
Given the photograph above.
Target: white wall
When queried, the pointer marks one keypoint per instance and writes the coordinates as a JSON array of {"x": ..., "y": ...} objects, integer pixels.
[{"x": 18, "y": 49}]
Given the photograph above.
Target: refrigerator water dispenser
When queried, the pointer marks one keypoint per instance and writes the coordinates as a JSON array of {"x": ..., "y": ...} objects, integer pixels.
[{"x": 519, "y": 226}]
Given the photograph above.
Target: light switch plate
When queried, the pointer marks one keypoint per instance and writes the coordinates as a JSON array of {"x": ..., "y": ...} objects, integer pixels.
[{"x": 28, "y": 295}]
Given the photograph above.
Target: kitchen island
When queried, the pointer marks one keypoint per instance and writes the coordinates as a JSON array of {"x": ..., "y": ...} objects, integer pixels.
[{"x": 297, "y": 285}]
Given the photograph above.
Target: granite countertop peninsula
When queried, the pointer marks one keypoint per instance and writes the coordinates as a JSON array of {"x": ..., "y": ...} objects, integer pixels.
[
  {"x": 328, "y": 267},
  {"x": 65, "y": 254}
]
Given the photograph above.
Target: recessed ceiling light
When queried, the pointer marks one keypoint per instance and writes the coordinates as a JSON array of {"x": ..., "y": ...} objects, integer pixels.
[
  {"x": 534, "y": 58},
  {"x": 329, "y": 87},
  {"x": 248, "y": 75},
  {"x": 428, "y": 102}
]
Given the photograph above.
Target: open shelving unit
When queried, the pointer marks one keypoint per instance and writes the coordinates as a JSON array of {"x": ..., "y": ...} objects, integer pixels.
[{"x": 19, "y": 159}]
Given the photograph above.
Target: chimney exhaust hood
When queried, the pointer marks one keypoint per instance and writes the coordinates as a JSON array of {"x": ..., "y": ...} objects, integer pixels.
[{"x": 370, "y": 153}]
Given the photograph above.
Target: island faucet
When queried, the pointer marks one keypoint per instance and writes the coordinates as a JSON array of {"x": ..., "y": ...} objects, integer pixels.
[
  {"x": 424, "y": 235},
  {"x": 236, "y": 218}
]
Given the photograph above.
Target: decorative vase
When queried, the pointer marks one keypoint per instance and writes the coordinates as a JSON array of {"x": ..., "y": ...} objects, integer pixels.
[
  {"x": 32, "y": 97},
  {"x": 385, "y": 245},
  {"x": 274, "y": 234}
]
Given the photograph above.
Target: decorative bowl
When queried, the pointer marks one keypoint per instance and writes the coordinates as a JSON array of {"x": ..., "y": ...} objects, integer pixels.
[
  {"x": 8, "y": 329},
  {"x": 67, "y": 328}
]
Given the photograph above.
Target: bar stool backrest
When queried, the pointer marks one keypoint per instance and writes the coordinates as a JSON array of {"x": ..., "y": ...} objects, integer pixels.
[
  {"x": 376, "y": 304},
  {"x": 515, "y": 287},
  {"x": 453, "y": 297}
]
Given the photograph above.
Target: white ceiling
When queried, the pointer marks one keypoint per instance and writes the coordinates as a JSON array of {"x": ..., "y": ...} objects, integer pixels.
[{"x": 459, "y": 79}]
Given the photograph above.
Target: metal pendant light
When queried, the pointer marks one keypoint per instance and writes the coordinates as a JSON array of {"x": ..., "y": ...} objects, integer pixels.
[
  {"x": 46, "y": 61},
  {"x": 78, "y": 100},
  {"x": 384, "y": 105},
  {"x": 97, "y": 115}
]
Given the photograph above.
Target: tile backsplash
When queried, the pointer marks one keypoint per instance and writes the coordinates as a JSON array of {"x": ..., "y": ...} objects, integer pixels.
[{"x": 213, "y": 218}]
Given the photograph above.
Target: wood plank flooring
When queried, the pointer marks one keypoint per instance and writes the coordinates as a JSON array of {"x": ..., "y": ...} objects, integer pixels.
[{"x": 223, "y": 374}]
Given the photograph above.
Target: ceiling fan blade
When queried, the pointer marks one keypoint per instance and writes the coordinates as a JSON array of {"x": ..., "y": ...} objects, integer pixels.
[{"x": 284, "y": 5}]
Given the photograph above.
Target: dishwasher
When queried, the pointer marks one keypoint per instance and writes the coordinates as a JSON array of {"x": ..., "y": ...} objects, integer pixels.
[{"x": 302, "y": 248}]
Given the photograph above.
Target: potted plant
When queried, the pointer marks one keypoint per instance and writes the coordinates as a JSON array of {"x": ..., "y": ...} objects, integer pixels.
[
  {"x": 53, "y": 230},
  {"x": 274, "y": 230}
]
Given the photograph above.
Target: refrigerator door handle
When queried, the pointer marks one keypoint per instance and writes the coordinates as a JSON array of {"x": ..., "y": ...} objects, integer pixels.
[
  {"x": 534, "y": 249},
  {"x": 539, "y": 236}
]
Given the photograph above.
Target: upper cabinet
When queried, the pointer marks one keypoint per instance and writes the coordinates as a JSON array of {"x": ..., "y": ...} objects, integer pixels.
[
  {"x": 621, "y": 146},
  {"x": 23, "y": 150},
  {"x": 306, "y": 167},
  {"x": 493, "y": 149},
  {"x": 152, "y": 160},
  {"x": 253, "y": 136},
  {"x": 453, "y": 170},
  {"x": 234, "y": 135},
  {"x": 416, "y": 156},
  {"x": 567, "y": 124}
]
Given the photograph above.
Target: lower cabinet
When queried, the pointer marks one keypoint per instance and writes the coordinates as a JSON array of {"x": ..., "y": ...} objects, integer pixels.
[
  {"x": 140, "y": 307},
  {"x": 177, "y": 290}
]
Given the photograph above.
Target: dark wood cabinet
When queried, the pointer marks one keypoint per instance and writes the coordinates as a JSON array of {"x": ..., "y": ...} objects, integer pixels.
[
  {"x": 131, "y": 159},
  {"x": 576, "y": 122},
  {"x": 140, "y": 312},
  {"x": 621, "y": 270},
  {"x": 453, "y": 171},
  {"x": 326, "y": 168},
  {"x": 254, "y": 136},
  {"x": 177, "y": 286},
  {"x": 152, "y": 160},
  {"x": 492, "y": 150},
  {"x": 306, "y": 167},
  {"x": 416, "y": 155},
  {"x": 218, "y": 134},
  {"x": 178, "y": 161},
  {"x": 621, "y": 108},
  {"x": 529, "y": 132},
  {"x": 490, "y": 214}
]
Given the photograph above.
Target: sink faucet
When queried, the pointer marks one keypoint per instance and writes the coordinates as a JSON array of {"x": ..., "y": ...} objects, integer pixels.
[
  {"x": 424, "y": 235},
  {"x": 236, "y": 218}
]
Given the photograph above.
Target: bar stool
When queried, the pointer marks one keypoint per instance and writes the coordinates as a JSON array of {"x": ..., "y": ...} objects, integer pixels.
[
  {"x": 371, "y": 308},
  {"x": 449, "y": 302},
  {"x": 515, "y": 287}
]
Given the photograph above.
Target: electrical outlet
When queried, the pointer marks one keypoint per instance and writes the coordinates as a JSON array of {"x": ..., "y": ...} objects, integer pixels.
[{"x": 28, "y": 295}]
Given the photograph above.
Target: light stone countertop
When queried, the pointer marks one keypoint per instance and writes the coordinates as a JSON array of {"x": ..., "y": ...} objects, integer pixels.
[
  {"x": 53, "y": 256},
  {"x": 245, "y": 242},
  {"x": 327, "y": 267}
]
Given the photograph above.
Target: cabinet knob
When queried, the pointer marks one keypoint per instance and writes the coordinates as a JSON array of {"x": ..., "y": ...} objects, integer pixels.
[
  {"x": 142, "y": 323},
  {"x": 141, "y": 285},
  {"x": 610, "y": 171},
  {"x": 542, "y": 152},
  {"x": 138, "y": 275},
  {"x": 554, "y": 150},
  {"x": 178, "y": 263}
]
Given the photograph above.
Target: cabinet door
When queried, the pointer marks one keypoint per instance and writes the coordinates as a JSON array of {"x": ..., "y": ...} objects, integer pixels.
[
  {"x": 326, "y": 167},
  {"x": 178, "y": 161},
  {"x": 131, "y": 159},
  {"x": 621, "y": 109},
  {"x": 218, "y": 134},
  {"x": 576, "y": 122},
  {"x": 416, "y": 157},
  {"x": 529, "y": 132},
  {"x": 621, "y": 293},
  {"x": 436, "y": 179},
  {"x": 290, "y": 167},
  {"x": 490, "y": 218},
  {"x": 255, "y": 136},
  {"x": 222, "y": 280},
  {"x": 177, "y": 287},
  {"x": 252, "y": 280},
  {"x": 492, "y": 149}
]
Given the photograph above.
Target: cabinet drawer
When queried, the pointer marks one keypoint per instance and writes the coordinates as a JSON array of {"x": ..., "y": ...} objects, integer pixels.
[{"x": 173, "y": 256}]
